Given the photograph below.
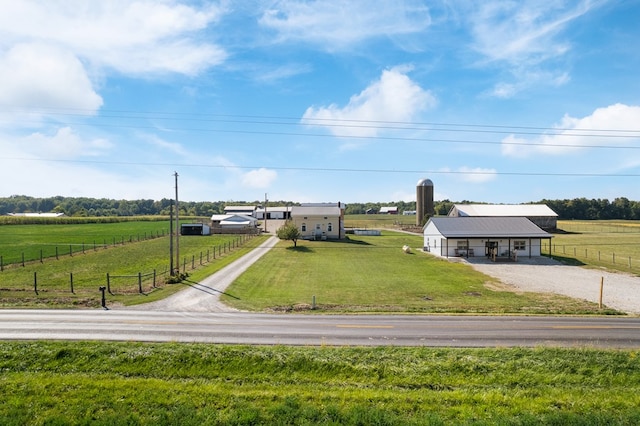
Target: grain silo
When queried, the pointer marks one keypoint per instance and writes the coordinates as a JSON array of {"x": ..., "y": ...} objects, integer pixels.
[{"x": 424, "y": 200}]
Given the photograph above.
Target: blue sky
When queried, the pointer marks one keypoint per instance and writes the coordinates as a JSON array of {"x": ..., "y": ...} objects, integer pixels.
[{"x": 319, "y": 101}]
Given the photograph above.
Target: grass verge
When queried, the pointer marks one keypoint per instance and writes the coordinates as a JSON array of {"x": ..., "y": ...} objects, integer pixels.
[{"x": 196, "y": 384}]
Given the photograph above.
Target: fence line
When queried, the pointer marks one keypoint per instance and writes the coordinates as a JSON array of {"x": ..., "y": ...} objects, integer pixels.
[
  {"x": 610, "y": 258},
  {"x": 139, "y": 279},
  {"x": 56, "y": 252}
]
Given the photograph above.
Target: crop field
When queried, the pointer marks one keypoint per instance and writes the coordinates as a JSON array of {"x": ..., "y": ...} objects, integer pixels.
[{"x": 135, "y": 265}]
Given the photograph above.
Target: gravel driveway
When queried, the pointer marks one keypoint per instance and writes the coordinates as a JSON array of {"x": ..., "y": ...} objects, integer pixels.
[
  {"x": 204, "y": 296},
  {"x": 545, "y": 275}
]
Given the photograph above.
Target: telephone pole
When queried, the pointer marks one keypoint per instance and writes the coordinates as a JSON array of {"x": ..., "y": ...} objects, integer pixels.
[
  {"x": 265, "y": 212},
  {"x": 177, "y": 245}
]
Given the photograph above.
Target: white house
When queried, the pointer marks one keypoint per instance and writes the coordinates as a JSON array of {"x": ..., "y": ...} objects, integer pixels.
[
  {"x": 319, "y": 221},
  {"x": 540, "y": 214},
  {"x": 483, "y": 236}
]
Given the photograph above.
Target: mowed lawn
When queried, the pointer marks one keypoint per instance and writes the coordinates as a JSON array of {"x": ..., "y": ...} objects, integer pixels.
[{"x": 374, "y": 274}]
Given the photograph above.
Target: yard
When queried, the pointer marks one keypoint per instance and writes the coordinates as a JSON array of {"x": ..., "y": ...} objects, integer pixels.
[{"x": 373, "y": 274}]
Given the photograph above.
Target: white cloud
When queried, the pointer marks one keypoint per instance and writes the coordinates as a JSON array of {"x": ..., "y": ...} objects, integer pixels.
[
  {"x": 392, "y": 98},
  {"x": 36, "y": 74},
  {"x": 604, "y": 127},
  {"x": 336, "y": 24},
  {"x": 65, "y": 144},
  {"x": 477, "y": 174},
  {"x": 260, "y": 178},
  {"x": 526, "y": 36},
  {"x": 128, "y": 36}
]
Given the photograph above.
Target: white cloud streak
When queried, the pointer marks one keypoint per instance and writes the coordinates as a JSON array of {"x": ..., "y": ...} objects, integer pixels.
[
  {"x": 526, "y": 36},
  {"x": 337, "y": 25},
  {"x": 574, "y": 134}
]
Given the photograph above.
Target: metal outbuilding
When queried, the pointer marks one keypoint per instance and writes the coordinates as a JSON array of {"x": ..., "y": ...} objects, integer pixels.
[
  {"x": 540, "y": 214},
  {"x": 509, "y": 237}
]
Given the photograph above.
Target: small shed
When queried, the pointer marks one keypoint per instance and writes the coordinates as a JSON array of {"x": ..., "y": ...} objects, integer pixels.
[{"x": 194, "y": 229}]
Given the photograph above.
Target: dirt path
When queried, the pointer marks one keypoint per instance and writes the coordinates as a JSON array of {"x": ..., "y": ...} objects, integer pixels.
[{"x": 204, "y": 296}]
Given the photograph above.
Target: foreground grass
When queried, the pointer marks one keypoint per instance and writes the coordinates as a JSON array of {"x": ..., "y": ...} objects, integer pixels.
[
  {"x": 195, "y": 384},
  {"x": 373, "y": 274}
]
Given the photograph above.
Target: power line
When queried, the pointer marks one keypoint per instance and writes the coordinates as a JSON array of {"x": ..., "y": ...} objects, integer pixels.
[
  {"x": 381, "y": 138},
  {"x": 338, "y": 123},
  {"x": 325, "y": 169}
]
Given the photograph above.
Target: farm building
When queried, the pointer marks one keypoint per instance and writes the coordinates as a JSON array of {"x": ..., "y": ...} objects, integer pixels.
[
  {"x": 48, "y": 215},
  {"x": 389, "y": 210},
  {"x": 243, "y": 210},
  {"x": 233, "y": 223},
  {"x": 319, "y": 221},
  {"x": 540, "y": 214},
  {"x": 194, "y": 229},
  {"x": 509, "y": 237},
  {"x": 276, "y": 212}
]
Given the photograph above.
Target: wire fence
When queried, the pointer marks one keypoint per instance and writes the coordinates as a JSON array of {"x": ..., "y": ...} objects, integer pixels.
[
  {"x": 43, "y": 253},
  {"x": 51, "y": 285},
  {"x": 595, "y": 256}
]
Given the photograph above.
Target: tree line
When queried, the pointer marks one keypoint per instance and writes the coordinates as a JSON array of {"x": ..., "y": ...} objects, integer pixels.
[{"x": 577, "y": 208}]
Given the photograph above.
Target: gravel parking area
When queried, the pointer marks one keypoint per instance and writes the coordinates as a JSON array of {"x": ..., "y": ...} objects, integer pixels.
[{"x": 545, "y": 275}]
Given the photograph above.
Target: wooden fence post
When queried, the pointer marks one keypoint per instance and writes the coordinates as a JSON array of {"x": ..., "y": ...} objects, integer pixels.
[
  {"x": 140, "y": 282},
  {"x": 108, "y": 284},
  {"x": 71, "y": 280},
  {"x": 35, "y": 282}
]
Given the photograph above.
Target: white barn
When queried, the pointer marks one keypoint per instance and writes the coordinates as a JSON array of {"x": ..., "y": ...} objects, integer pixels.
[
  {"x": 540, "y": 214},
  {"x": 483, "y": 236}
]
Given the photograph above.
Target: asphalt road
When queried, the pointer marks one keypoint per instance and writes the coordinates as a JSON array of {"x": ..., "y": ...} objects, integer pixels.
[{"x": 329, "y": 330}]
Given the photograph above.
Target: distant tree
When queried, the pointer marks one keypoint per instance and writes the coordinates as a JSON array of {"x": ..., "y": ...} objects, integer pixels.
[{"x": 289, "y": 231}]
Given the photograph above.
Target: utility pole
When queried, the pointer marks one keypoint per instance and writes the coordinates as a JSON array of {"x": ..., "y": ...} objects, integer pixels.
[
  {"x": 171, "y": 271},
  {"x": 177, "y": 226},
  {"x": 265, "y": 212}
]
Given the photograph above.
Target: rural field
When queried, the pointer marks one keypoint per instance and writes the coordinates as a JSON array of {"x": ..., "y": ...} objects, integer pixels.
[
  {"x": 134, "y": 254},
  {"x": 142, "y": 383}
]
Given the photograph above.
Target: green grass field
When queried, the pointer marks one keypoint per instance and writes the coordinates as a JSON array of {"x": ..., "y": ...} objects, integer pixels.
[
  {"x": 87, "y": 271},
  {"x": 613, "y": 245},
  {"x": 106, "y": 383},
  {"x": 373, "y": 274}
]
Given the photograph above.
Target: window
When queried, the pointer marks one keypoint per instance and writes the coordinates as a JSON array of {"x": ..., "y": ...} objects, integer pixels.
[
  {"x": 519, "y": 245},
  {"x": 303, "y": 228},
  {"x": 329, "y": 227},
  {"x": 462, "y": 245}
]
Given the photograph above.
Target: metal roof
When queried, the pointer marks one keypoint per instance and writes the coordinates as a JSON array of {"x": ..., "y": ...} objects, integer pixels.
[
  {"x": 486, "y": 227},
  {"x": 502, "y": 210},
  {"x": 315, "y": 211}
]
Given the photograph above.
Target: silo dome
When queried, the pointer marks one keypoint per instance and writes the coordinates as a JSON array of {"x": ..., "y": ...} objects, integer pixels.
[{"x": 424, "y": 182}]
